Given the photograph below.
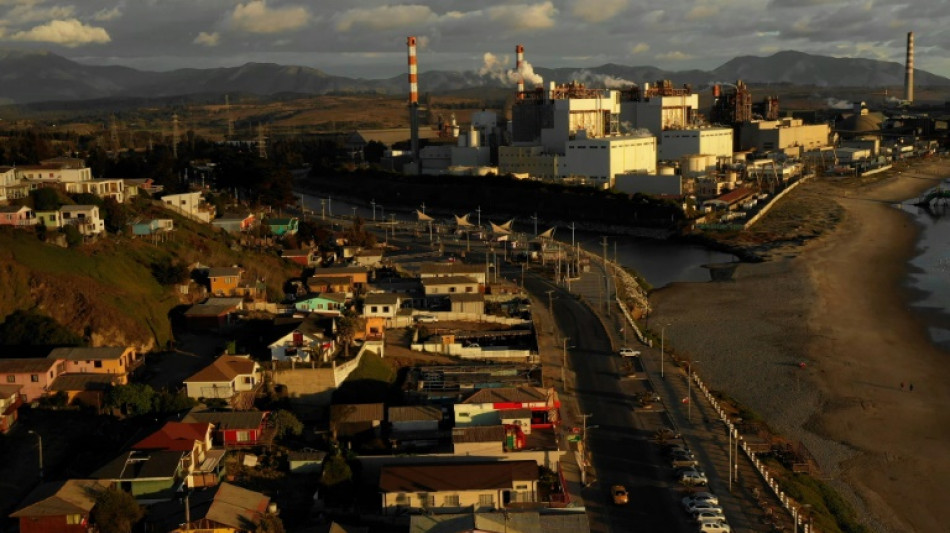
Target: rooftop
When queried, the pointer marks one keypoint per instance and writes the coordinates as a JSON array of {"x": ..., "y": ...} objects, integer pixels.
[
  {"x": 456, "y": 476},
  {"x": 81, "y": 353}
]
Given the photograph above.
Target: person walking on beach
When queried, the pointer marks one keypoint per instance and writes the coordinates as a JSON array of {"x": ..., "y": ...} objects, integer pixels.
[
  {"x": 902, "y": 386},
  {"x": 911, "y": 387}
]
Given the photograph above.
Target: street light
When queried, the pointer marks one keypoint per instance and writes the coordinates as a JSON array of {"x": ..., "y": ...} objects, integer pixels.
[
  {"x": 662, "y": 352},
  {"x": 39, "y": 440},
  {"x": 689, "y": 395}
]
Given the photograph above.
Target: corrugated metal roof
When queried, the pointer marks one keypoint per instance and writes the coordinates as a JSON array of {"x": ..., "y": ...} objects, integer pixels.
[
  {"x": 508, "y": 395},
  {"x": 237, "y": 507},
  {"x": 228, "y": 419},
  {"x": 83, "y": 382},
  {"x": 23, "y": 365},
  {"x": 411, "y": 413},
  {"x": 81, "y": 353},
  {"x": 73, "y": 496},
  {"x": 450, "y": 268},
  {"x": 220, "y": 272},
  {"x": 466, "y": 297},
  {"x": 381, "y": 298},
  {"x": 357, "y": 412},
  {"x": 224, "y": 368},
  {"x": 456, "y": 476},
  {"x": 449, "y": 280},
  {"x": 478, "y": 434},
  {"x": 138, "y": 464}
]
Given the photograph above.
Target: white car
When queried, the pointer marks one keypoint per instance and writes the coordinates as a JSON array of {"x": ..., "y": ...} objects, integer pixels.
[
  {"x": 628, "y": 352},
  {"x": 426, "y": 319},
  {"x": 693, "y": 477},
  {"x": 714, "y": 527},
  {"x": 696, "y": 497}
]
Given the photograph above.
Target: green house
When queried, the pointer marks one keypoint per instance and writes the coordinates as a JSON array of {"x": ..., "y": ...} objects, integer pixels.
[
  {"x": 283, "y": 226},
  {"x": 149, "y": 476}
]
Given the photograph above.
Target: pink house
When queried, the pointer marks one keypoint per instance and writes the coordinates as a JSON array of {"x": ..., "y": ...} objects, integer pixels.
[
  {"x": 34, "y": 375},
  {"x": 17, "y": 215}
]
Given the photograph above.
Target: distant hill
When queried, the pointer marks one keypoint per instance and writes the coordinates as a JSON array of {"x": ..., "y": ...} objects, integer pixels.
[{"x": 29, "y": 77}]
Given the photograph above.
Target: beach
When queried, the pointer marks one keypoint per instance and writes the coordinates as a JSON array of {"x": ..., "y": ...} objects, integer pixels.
[{"x": 838, "y": 304}]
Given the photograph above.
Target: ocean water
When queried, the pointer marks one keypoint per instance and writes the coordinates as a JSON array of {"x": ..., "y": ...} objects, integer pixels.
[{"x": 929, "y": 269}]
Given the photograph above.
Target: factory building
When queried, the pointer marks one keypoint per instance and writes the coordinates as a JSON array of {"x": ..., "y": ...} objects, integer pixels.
[
  {"x": 675, "y": 144},
  {"x": 664, "y": 182},
  {"x": 659, "y": 107},
  {"x": 789, "y": 136},
  {"x": 530, "y": 161},
  {"x": 599, "y": 160}
]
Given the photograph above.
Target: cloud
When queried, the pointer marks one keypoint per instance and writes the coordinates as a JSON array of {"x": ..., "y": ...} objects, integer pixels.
[
  {"x": 598, "y": 10},
  {"x": 639, "y": 48},
  {"x": 497, "y": 68},
  {"x": 28, "y": 12},
  {"x": 675, "y": 55},
  {"x": 701, "y": 12},
  {"x": 256, "y": 17},
  {"x": 524, "y": 16},
  {"x": 70, "y": 33},
  {"x": 208, "y": 39},
  {"x": 385, "y": 17},
  {"x": 104, "y": 15}
]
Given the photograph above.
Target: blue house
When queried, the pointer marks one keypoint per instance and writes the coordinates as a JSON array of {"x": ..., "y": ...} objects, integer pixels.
[
  {"x": 281, "y": 226},
  {"x": 327, "y": 303},
  {"x": 153, "y": 226}
]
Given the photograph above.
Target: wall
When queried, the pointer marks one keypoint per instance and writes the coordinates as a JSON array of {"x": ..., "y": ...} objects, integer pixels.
[{"x": 649, "y": 184}]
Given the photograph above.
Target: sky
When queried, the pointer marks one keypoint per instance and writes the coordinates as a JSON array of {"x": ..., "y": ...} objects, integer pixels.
[{"x": 367, "y": 38}]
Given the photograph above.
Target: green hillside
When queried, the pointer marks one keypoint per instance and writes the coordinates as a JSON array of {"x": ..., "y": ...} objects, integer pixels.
[{"x": 105, "y": 290}]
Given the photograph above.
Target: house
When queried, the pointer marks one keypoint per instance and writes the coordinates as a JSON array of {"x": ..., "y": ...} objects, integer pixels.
[
  {"x": 436, "y": 270},
  {"x": 414, "y": 426},
  {"x": 50, "y": 219},
  {"x": 326, "y": 303},
  {"x": 359, "y": 274},
  {"x": 8, "y": 181},
  {"x": 62, "y": 506},
  {"x": 137, "y": 186},
  {"x": 10, "y": 402},
  {"x": 467, "y": 303},
  {"x": 191, "y": 205},
  {"x": 302, "y": 257},
  {"x": 321, "y": 284},
  {"x": 235, "y": 222},
  {"x": 300, "y": 346},
  {"x": 382, "y": 304},
  {"x": 214, "y": 315},
  {"x": 487, "y": 407},
  {"x": 201, "y": 464},
  {"x": 34, "y": 375},
  {"x": 224, "y": 281},
  {"x": 372, "y": 257},
  {"x": 356, "y": 420},
  {"x": 56, "y": 170},
  {"x": 86, "y": 389},
  {"x": 233, "y": 428},
  {"x": 283, "y": 226},
  {"x": 441, "y": 286},
  {"x": 153, "y": 226},
  {"x": 229, "y": 509},
  {"x": 103, "y": 188},
  {"x": 148, "y": 475},
  {"x": 17, "y": 216},
  {"x": 479, "y": 440},
  {"x": 448, "y": 486},
  {"x": 84, "y": 217},
  {"x": 306, "y": 461},
  {"x": 227, "y": 377},
  {"x": 515, "y": 520},
  {"x": 117, "y": 361}
]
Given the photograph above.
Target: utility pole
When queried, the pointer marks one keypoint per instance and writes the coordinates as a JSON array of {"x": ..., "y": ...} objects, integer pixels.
[
  {"x": 535, "y": 219},
  {"x": 606, "y": 277},
  {"x": 479, "y": 211},
  {"x": 373, "y": 204},
  {"x": 564, "y": 364},
  {"x": 585, "y": 454}
]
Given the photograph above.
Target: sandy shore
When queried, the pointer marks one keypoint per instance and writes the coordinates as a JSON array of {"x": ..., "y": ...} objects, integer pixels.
[{"x": 838, "y": 304}]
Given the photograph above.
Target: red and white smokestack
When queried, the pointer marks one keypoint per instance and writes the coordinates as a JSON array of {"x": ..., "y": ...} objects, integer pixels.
[
  {"x": 413, "y": 73},
  {"x": 519, "y": 62},
  {"x": 909, "y": 73}
]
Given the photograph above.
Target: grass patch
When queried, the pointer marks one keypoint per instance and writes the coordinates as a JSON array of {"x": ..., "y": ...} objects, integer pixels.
[{"x": 829, "y": 511}]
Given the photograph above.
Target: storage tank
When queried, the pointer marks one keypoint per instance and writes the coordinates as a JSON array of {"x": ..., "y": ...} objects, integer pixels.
[
  {"x": 666, "y": 170},
  {"x": 731, "y": 178},
  {"x": 698, "y": 163}
]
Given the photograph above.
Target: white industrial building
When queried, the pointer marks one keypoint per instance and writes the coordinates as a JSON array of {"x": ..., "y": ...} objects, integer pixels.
[
  {"x": 659, "y": 107},
  {"x": 599, "y": 160},
  {"x": 530, "y": 160},
  {"x": 674, "y": 144},
  {"x": 789, "y": 135}
]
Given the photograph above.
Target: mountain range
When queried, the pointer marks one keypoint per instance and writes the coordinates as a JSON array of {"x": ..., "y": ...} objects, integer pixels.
[{"x": 29, "y": 77}]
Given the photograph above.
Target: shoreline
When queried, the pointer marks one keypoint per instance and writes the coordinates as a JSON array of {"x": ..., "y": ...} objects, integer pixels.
[{"x": 846, "y": 310}]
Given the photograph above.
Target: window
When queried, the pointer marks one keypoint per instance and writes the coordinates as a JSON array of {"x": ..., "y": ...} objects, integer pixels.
[
  {"x": 98, "y": 364},
  {"x": 468, "y": 289},
  {"x": 450, "y": 500},
  {"x": 486, "y": 500},
  {"x": 11, "y": 378},
  {"x": 242, "y": 436},
  {"x": 426, "y": 500},
  {"x": 73, "y": 519},
  {"x": 521, "y": 487},
  {"x": 34, "y": 378},
  {"x": 401, "y": 498},
  {"x": 373, "y": 309}
]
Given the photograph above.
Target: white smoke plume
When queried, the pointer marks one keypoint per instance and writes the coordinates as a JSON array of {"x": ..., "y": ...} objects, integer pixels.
[
  {"x": 608, "y": 81},
  {"x": 835, "y": 103},
  {"x": 497, "y": 69}
]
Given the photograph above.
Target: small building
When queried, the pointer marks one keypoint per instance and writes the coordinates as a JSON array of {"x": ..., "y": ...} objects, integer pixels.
[
  {"x": 435, "y": 270},
  {"x": 467, "y": 303},
  {"x": 17, "y": 216},
  {"x": 233, "y": 428},
  {"x": 226, "y": 377},
  {"x": 10, "y": 402},
  {"x": 487, "y": 406},
  {"x": 359, "y": 274},
  {"x": 324, "y": 304},
  {"x": 479, "y": 440},
  {"x": 226, "y": 509},
  {"x": 49, "y": 219},
  {"x": 210, "y": 316},
  {"x": 323, "y": 284},
  {"x": 33, "y": 375},
  {"x": 155, "y": 226},
  {"x": 283, "y": 226},
  {"x": 85, "y": 217},
  {"x": 191, "y": 205},
  {"x": 356, "y": 420},
  {"x": 61, "y": 506},
  {"x": 382, "y": 304},
  {"x": 150, "y": 476},
  {"x": 451, "y": 486},
  {"x": 116, "y": 361},
  {"x": 224, "y": 281},
  {"x": 372, "y": 257},
  {"x": 201, "y": 465},
  {"x": 445, "y": 285},
  {"x": 414, "y": 426},
  {"x": 103, "y": 188},
  {"x": 303, "y": 257},
  {"x": 235, "y": 222},
  {"x": 85, "y": 389},
  {"x": 306, "y": 461}
]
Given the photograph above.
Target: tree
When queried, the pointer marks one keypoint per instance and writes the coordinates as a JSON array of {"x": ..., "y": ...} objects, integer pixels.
[
  {"x": 346, "y": 328},
  {"x": 73, "y": 237},
  {"x": 116, "y": 511},
  {"x": 29, "y": 328},
  {"x": 133, "y": 399},
  {"x": 167, "y": 272},
  {"x": 285, "y": 422},
  {"x": 269, "y": 523},
  {"x": 337, "y": 479},
  {"x": 45, "y": 199},
  {"x": 115, "y": 215}
]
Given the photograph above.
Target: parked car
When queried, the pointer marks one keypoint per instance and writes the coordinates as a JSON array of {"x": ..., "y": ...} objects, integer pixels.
[
  {"x": 684, "y": 461},
  {"x": 697, "y": 497},
  {"x": 628, "y": 352},
  {"x": 714, "y": 527},
  {"x": 426, "y": 319},
  {"x": 619, "y": 494},
  {"x": 709, "y": 516},
  {"x": 702, "y": 507},
  {"x": 693, "y": 477}
]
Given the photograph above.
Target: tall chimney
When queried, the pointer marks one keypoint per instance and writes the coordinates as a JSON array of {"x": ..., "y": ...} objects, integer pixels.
[
  {"x": 519, "y": 61},
  {"x": 413, "y": 101},
  {"x": 909, "y": 73}
]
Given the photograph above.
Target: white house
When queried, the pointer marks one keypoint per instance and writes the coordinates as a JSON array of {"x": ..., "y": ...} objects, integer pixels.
[
  {"x": 191, "y": 205},
  {"x": 226, "y": 377},
  {"x": 300, "y": 346},
  {"x": 84, "y": 217}
]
